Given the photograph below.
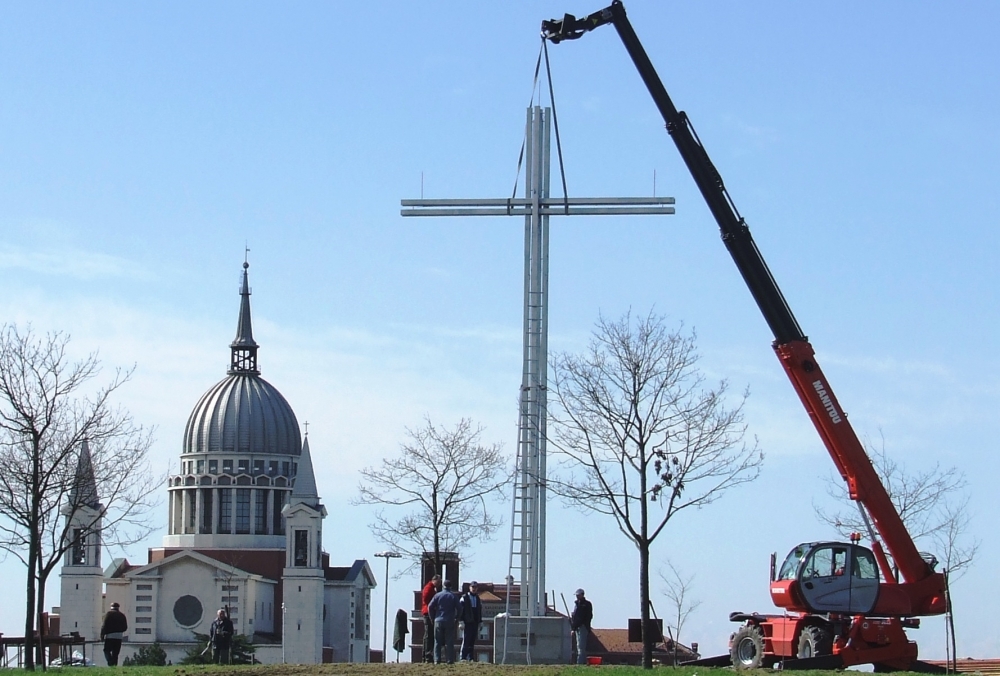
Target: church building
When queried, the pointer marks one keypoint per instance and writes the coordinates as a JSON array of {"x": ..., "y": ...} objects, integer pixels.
[{"x": 245, "y": 532}]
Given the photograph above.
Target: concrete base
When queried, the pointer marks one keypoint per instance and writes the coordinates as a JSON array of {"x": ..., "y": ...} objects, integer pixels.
[{"x": 531, "y": 640}]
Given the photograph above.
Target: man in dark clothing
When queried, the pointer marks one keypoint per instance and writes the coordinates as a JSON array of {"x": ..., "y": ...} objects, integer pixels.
[
  {"x": 432, "y": 587},
  {"x": 220, "y": 635},
  {"x": 112, "y": 631},
  {"x": 444, "y": 609},
  {"x": 579, "y": 622},
  {"x": 470, "y": 612}
]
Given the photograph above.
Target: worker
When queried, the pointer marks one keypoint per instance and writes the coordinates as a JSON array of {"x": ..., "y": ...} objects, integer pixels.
[{"x": 579, "y": 622}]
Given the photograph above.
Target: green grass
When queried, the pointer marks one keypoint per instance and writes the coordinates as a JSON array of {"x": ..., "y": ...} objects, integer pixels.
[{"x": 405, "y": 669}]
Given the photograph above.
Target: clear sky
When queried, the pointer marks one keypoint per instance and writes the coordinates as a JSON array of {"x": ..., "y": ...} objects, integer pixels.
[{"x": 142, "y": 146}]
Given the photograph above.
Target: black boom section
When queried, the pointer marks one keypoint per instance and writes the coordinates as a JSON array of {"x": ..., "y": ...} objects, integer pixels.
[{"x": 735, "y": 233}]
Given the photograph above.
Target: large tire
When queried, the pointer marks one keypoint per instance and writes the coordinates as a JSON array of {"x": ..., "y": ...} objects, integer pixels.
[
  {"x": 813, "y": 642},
  {"x": 747, "y": 651}
]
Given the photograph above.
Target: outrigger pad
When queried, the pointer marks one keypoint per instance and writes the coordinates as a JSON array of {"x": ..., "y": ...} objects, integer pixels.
[
  {"x": 822, "y": 662},
  {"x": 717, "y": 661}
]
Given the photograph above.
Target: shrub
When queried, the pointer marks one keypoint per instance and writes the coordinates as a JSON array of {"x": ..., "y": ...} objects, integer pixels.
[{"x": 147, "y": 656}]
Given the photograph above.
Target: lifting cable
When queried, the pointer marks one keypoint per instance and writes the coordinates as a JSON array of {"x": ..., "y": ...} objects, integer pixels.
[{"x": 544, "y": 50}]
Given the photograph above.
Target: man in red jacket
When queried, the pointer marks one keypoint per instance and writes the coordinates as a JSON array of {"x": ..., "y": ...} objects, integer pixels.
[{"x": 432, "y": 587}]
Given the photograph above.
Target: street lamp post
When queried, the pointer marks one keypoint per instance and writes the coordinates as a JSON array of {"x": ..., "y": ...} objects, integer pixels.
[{"x": 385, "y": 612}]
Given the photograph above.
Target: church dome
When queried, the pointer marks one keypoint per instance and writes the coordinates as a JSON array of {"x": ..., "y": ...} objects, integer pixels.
[{"x": 242, "y": 413}]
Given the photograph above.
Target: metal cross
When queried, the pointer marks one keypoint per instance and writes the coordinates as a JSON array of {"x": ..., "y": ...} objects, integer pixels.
[{"x": 528, "y": 540}]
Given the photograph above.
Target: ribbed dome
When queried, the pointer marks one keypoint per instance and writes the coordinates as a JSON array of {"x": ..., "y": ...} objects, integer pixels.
[{"x": 242, "y": 413}]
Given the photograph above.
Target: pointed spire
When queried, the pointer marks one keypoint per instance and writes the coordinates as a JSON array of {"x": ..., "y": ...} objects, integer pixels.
[
  {"x": 305, "y": 479},
  {"x": 244, "y": 348},
  {"x": 84, "y": 490}
]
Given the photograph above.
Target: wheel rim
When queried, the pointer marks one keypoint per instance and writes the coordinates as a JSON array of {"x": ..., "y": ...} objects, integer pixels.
[
  {"x": 807, "y": 650},
  {"x": 746, "y": 651}
]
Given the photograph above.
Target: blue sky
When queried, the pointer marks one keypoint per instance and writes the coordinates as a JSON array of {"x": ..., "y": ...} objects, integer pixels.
[{"x": 142, "y": 146}]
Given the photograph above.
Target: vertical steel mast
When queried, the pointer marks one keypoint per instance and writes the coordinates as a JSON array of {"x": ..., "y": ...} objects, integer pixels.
[{"x": 528, "y": 544}]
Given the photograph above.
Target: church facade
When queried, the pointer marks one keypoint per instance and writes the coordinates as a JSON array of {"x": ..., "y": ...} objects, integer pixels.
[{"x": 245, "y": 533}]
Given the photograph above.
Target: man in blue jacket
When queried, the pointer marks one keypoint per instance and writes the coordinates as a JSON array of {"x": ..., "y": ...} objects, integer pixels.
[{"x": 444, "y": 609}]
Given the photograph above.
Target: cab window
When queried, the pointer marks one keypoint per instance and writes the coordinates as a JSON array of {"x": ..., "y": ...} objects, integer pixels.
[
  {"x": 791, "y": 564},
  {"x": 826, "y": 562},
  {"x": 864, "y": 564}
]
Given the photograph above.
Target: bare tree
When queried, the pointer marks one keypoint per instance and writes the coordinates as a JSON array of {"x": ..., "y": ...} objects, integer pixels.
[
  {"x": 446, "y": 478},
  {"x": 933, "y": 505},
  {"x": 642, "y": 434},
  {"x": 677, "y": 589},
  {"x": 46, "y": 419}
]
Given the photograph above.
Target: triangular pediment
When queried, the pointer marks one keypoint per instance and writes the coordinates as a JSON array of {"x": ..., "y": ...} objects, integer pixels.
[{"x": 218, "y": 567}]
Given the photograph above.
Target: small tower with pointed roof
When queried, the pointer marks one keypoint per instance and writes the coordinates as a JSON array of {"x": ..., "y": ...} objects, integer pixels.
[
  {"x": 303, "y": 575},
  {"x": 81, "y": 577}
]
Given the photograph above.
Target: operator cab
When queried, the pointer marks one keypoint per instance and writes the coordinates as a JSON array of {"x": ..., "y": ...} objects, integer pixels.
[{"x": 827, "y": 577}]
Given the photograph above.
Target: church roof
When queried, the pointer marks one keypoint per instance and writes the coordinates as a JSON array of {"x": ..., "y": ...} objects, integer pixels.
[
  {"x": 243, "y": 413},
  {"x": 304, "y": 489},
  {"x": 83, "y": 493},
  {"x": 244, "y": 327},
  {"x": 350, "y": 573}
]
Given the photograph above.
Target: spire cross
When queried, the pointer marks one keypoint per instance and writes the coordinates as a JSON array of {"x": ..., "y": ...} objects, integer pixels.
[
  {"x": 306, "y": 424},
  {"x": 528, "y": 545}
]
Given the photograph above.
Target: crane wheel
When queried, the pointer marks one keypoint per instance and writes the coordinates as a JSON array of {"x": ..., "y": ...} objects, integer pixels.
[
  {"x": 813, "y": 642},
  {"x": 747, "y": 651}
]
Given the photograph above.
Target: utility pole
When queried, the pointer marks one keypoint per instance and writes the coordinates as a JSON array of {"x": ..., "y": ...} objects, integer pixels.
[{"x": 385, "y": 611}]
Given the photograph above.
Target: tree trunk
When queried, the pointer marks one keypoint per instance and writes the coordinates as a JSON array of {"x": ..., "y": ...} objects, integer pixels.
[
  {"x": 647, "y": 629},
  {"x": 29, "y": 614},
  {"x": 40, "y": 604}
]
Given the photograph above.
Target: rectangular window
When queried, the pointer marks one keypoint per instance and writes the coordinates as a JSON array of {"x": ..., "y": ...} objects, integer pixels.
[
  {"x": 143, "y": 630},
  {"x": 295, "y": 469},
  {"x": 272, "y": 467},
  {"x": 225, "y": 510},
  {"x": 284, "y": 468},
  {"x": 206, "y": 511},
  {"x": 201, "y": 467},
  {"x": 79, "y": 547},
  {"x": 144, "y": 609},
  {"x": 230, "y": 599},
  {"x": 230, "y": 587},
  {"x": 191, "y": 508},
  {"x": 280, "y": 497},
  {"x": 242, "y": 510},
  {"x": 301, "y": 548},
  {"x": 258, "y": 466},
  {"x": 227, "y": 466},
  {"x": 144, "y": 587},
  {"x": 359, "y": 619},
  {"x": 143, "y": 620},
  {"x": 213, "y": 466},
  {"x": 143, "y": 597},
  {"x": 484, "y": 632},
  {"x": 244, "y": 466},
  {"x": 233, "y": 611},
  {"x": 260, "y": 512}
]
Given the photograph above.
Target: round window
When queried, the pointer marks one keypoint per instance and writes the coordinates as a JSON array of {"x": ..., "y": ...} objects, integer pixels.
[{"x": 188, "y": 611}]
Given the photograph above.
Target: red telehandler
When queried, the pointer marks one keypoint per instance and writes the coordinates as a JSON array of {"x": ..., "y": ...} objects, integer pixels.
[{"x": 837, "y": 610}]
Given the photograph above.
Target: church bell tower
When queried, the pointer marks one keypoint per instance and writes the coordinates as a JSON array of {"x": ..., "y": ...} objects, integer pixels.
[
  {"x": 303, "y": 609},
  {"x": 81, "y": 576}
]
